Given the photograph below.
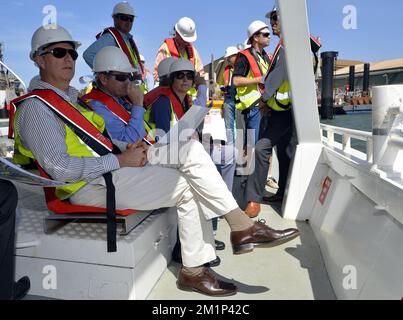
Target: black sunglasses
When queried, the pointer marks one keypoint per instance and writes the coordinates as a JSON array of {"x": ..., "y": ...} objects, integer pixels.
[
  {"x": 122, "y": 77},
  {"x": 274, "y": 18},
  {"x": 265, "y": 34},
  {"x": 60, "y": 53},
  {"x": 182, "y": 75},
  {"x": 125, "y": 17}
]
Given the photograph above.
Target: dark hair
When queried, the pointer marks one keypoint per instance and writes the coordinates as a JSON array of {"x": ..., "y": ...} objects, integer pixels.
[
  {"x": 164, "y": 81},
  {"x": 172, "y": 76}
]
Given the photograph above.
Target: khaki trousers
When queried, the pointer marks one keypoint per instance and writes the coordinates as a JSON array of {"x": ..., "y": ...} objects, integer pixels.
[{"x": 189, "y": 181}]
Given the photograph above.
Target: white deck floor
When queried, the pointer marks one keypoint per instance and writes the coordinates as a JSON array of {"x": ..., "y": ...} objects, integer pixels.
[{"x": 292, "y": 271}]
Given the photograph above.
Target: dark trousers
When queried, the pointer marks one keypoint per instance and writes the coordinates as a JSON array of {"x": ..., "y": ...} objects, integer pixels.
[
  {"x": 8, "y": 205},
  {"x": 275, "y": 131}
]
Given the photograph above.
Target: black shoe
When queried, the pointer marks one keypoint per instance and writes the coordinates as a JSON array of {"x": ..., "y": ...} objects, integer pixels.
[
  {"x": 215, "y": 263},
  {"x": 21, "y": 288},
  {"x": 273, "y": 199},
  {"x": 219, "y": 245},
  {"x": 176, "y": 253}
]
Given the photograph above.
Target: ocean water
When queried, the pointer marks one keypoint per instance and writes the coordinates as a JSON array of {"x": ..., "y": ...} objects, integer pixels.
[{"x": 356, "y": 120}]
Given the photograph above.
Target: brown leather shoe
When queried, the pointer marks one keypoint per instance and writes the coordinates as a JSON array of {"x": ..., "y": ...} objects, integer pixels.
[
  {"x": 274, "y": 198},
  {"x": 206, "y": 283},
  {"x": 253, "y": 209},
  {"x": 260, "y": 235}
]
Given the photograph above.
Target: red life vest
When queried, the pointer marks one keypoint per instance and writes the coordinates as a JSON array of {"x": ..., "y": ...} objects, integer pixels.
[
  {"x": 154, "y": 94},
  {"x": 227, "y": 75},
  {"x": 173, "y": 50},
  {"x": 118, "y": 110},
  {"x": 253, "y": 64},
  {"x": 123, "y": 46},
  {"x": 98, "y": 141},
  {"x": 113, "y": 106}
]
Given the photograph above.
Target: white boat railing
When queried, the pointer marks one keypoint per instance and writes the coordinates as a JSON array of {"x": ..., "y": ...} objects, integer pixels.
[{"x": 346, "y": 136}]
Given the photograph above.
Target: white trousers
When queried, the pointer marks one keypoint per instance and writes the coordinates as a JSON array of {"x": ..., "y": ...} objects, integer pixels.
[{"x": 190, "y": 182}]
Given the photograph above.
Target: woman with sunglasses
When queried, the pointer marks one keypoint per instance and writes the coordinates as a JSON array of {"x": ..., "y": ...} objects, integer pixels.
[
  {"x": 169, "y": 107},
  {"x": 173, "y": 103}
]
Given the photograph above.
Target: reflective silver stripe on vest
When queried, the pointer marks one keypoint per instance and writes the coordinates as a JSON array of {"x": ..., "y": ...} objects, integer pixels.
[
  {"x": 250, "y": 95},
  {"x": 282, "y": 96}
]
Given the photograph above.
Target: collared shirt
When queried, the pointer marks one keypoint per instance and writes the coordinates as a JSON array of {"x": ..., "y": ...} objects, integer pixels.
[
  {"x": 116, "y": 128},
  {"x": 44, "y": 134},
  {"x": 104, "y": 41}
]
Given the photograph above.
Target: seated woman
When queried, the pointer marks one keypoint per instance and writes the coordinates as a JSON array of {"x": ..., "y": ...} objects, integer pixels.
[
  {"x": 170, "y": 106},
  {"x": 172, "y": 102}
]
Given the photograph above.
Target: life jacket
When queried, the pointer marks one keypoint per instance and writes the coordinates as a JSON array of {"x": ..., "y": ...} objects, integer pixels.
[
  {"x": 85, "y": 137},
  {"x": 174, "y": 52},
  {"x": 177, "y": 111},
  {"x": 248, "y": 96},
  {"x": 189, "y": 55},
  {"x": 226, "y": 81},
  {"x": 153, "y": 95},
  {"x": 227, "y": 75},
  {"x": 116, "y": 108},
  {"x": 131, "y": 51},
  {"x": 281, "y": 100}
]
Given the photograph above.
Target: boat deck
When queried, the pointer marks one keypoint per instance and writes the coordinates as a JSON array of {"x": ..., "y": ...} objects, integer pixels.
[{"x": 292, "y": 271}]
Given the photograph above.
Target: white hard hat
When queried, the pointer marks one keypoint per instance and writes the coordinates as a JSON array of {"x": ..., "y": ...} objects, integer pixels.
[
  {"x": 123, "y": 8},
  {"x": 181, "y": 65},
  {"x": 45, "y": 36},
  {"x": 186, "y": 28},
  {"x": 231, "y": 51},
  {"x": 163, "y": 67},
  {"x": 142, "y": 58},
  {"x": 112, "y": 59},
  {"x": 254, "y": 27}
]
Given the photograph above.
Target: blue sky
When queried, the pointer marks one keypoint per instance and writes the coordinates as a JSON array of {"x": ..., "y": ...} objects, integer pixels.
[{"x": 219, "y": 24}]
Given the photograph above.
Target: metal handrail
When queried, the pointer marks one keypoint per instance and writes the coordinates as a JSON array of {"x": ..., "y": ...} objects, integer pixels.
[
  {"x": 347, "y": 135},
  {"x": 356, "y": 134}
]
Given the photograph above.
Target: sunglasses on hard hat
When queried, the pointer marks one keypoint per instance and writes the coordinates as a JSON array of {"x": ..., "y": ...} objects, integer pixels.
[
  {"x": 60, "y": 53},
  {"x": 125, "y": 18},
  {"x": 182, "y": 75}
]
